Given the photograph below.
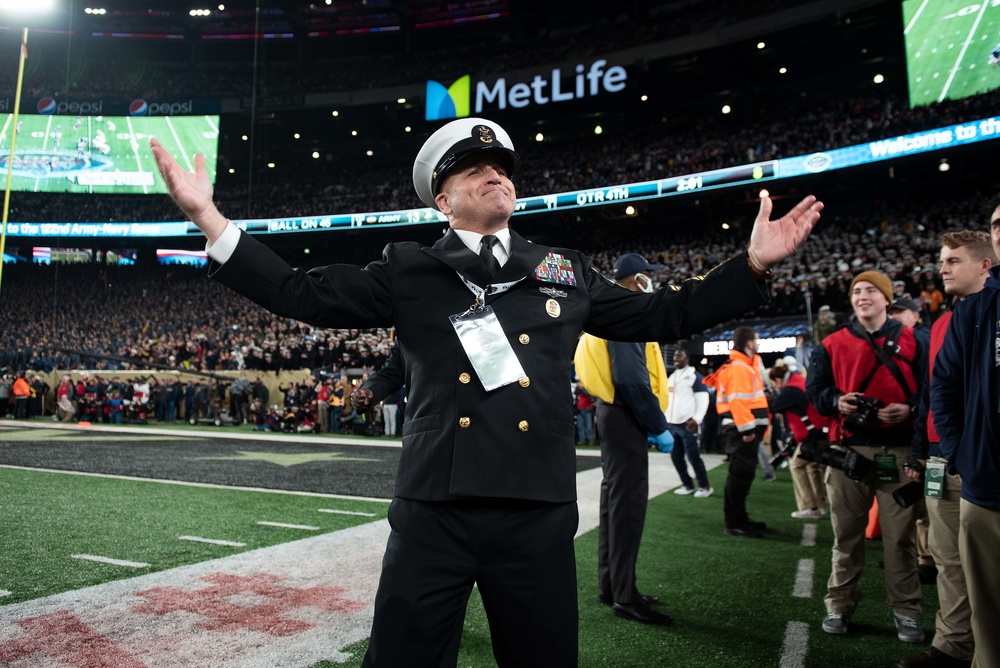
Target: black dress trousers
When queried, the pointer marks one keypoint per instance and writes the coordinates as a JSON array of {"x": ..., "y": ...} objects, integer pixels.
[{"x": 519, "y": 553}]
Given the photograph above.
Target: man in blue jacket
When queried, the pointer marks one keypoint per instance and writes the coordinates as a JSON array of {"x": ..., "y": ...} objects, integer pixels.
[{"x": 965, "y": 394}]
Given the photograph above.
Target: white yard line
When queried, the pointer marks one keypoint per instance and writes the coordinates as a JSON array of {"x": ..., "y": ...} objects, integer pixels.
[
  {"x": 211, "y": 541},
  {"x": 961, "y": 54},
  {"x": 344, "y": 512},
  {"x": 804, "y": 579},
  {"x": 180, "y": 146},
  {"x": 915, "y": 16},
  {"x": 809, "y": 535},
  {"x": 282, "y": 525},
  {"x": 205, "y": 485},
  {"x": 45, "y": 141},
  {"x": 4, "y": 592},
  {"x": 109, "y": 560},
  {"x": 796, "y": 645},
  {"x": 134, "y": 144},
  {"x": 208, "y": 119}
]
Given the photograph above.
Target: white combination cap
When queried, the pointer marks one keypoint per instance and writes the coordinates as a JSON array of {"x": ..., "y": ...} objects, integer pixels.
[{"x": 452, "y": 142}]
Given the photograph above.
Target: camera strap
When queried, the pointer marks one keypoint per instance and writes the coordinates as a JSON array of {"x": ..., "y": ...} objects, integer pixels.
[{"x": 883, "y": 355}]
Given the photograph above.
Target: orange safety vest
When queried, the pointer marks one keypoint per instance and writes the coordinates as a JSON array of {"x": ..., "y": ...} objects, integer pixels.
[{"x": 739, "y": 397}]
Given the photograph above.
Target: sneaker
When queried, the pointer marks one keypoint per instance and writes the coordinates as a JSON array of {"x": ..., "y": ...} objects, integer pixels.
[
  {"x": 835, "y": 623},
  {"x": 813, "y": 514},
  {"x": 684, "y": 491},
  {"x": 932, "y": 657},
  {"x": 769, "y": 477},
  {"x": 703, "y": 492},
  {"x": 907, "y": 628}
]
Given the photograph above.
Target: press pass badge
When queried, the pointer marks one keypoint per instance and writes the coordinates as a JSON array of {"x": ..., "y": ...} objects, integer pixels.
[
  {"x": 885, "y": 468},
  {"x": 487, "y": 347},
  {"x": 934, "y": 478}
]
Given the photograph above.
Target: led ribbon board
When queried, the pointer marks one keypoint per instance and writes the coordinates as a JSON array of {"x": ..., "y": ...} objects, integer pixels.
[{"x": 815, "y": 163}]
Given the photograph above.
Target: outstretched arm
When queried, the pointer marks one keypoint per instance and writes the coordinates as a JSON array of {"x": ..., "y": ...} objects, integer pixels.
[
  {"x": 771, "y": 241},
  {"x": 191, "y": 192}
]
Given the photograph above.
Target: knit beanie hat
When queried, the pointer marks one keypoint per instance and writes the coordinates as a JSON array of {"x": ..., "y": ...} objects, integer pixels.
[{"x": 876, "y": 278}]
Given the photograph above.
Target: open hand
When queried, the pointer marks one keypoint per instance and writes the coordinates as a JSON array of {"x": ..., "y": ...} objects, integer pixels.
[{"x": 771, "y": 241}]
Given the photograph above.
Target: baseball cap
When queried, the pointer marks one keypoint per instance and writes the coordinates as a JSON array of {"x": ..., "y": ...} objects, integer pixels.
[
  {"x": 904, "y": 304},
  {"x": 631, "y": 264},
  {"x": 825, "y": 309},
  {"x": 452, "y": 142}
]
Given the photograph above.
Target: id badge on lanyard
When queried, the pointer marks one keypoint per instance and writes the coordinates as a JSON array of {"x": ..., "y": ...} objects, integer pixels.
[{"x": 486, "y": 345}]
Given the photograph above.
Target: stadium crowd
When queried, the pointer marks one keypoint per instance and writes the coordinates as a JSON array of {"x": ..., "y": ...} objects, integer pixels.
[{"x": 55, "y": 316}]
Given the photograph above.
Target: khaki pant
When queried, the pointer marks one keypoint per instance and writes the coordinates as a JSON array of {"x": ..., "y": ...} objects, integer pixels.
[
  {"x": 979, "y": 543},
  {"x": 952, "y": 625},
  {"x": 807, "y": 481},
  {"x": 924, "y": 556},
  {"x": 850, "y": 502}
]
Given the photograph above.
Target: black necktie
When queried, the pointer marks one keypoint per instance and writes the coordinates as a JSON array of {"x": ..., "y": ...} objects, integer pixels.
[{"x": 490, "y": 260}]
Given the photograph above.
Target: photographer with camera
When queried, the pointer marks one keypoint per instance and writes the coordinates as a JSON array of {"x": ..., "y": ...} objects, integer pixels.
[
  {"x": 868, "y": 375},
  {"x": 808, "y": 429}
]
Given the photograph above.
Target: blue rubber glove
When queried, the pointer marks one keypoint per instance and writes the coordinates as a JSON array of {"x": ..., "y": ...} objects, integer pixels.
[{"x": 663, "y": 442}]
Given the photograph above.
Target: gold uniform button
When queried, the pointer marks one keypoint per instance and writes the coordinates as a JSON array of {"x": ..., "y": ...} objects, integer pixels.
[
  {"x": 464, "y": 422},
  {"x": 524, "y": 382},
  {"x": 464, "y": 378},
  {"x": 523, "y": 425},
  {"x": 524, "y": 339}
]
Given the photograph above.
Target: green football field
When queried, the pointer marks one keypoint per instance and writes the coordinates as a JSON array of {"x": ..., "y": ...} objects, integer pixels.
[
  {"x": 101, "y": 154},
  {"x": 736, "y": 602},
  {"x": 948, "y": 46}
]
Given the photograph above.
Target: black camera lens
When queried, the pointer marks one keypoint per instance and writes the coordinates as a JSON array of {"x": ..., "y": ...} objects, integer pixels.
[{"x": 909, "y": 494}]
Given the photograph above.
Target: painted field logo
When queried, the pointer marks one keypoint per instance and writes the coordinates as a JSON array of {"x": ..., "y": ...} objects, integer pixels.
[{"x": 451, "y": 102}]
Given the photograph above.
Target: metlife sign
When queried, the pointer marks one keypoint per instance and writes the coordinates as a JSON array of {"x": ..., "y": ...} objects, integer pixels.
[{"x": 461, "y": 98}]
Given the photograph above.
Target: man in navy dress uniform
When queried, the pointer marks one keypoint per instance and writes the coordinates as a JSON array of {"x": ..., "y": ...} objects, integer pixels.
[{"x": 487, "y": 322}]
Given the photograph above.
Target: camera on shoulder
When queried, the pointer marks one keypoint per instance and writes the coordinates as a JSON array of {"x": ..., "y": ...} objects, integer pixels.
[{"x": 854, "y": 466}]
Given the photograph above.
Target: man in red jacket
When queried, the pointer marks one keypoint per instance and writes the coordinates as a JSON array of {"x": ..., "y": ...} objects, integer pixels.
[{"x": 868, "y": 376}]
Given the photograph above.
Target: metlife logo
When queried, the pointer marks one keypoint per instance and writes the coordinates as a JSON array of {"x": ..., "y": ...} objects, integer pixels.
[{"x": 456, "y": 101}]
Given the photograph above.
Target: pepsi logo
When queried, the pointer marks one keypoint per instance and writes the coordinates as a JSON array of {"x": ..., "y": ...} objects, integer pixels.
[
  {"x": 47, "y": 105},
  {"x": 138, "y": 107}
]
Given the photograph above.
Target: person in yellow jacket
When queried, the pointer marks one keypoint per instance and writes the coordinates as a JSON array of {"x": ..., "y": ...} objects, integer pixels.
[
  {"x": 743, "y": 417},
  {"x": 629, "y": 381}
]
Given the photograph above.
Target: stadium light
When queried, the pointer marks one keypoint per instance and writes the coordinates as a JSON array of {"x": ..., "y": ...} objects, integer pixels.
[{"x": 22, "y": 7}]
